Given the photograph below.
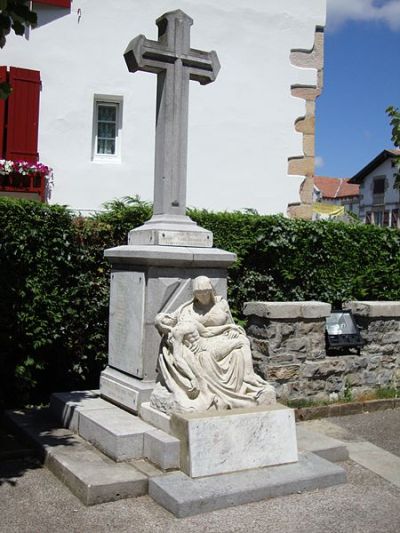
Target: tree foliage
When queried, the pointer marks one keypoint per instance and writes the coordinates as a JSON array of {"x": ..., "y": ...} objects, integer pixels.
[
  {"x": 394, "y": 114},
  {"x": 15, "y": 15}
]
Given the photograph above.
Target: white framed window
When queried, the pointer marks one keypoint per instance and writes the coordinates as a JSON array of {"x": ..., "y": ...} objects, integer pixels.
[{"x": 107, "y": 127}]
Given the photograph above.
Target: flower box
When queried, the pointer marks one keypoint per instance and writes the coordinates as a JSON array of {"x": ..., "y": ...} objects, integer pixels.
[{"x": 22, "y": 176}]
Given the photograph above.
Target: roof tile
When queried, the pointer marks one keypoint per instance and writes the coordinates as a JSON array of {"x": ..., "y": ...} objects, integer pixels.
[{"x": 335, "y": 187}]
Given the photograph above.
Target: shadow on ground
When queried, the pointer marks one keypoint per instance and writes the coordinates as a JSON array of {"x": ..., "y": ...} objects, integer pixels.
[
  {"x": 12, "y": 469},
  {"x": 18, "y": 453}
]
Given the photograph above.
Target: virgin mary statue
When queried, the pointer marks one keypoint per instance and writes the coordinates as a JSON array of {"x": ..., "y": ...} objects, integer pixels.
[{"x": 205, "y": 358}]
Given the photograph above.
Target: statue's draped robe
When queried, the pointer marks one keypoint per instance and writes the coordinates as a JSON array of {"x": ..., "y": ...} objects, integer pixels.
[{"x": 217, "y": 370}]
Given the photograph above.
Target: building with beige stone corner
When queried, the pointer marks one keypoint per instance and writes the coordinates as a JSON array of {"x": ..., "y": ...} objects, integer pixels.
[
  {"x": 243, "y": 129},
  {"x": 305, "y": 164}
]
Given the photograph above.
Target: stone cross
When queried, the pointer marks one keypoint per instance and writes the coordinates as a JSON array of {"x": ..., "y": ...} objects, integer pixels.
[{"x": 175, "y": 63}]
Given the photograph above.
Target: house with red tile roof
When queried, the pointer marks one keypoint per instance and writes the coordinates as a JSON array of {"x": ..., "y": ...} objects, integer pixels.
[
  {"x": 334, "y": 189},
  {"x": 329, "y": 193}
]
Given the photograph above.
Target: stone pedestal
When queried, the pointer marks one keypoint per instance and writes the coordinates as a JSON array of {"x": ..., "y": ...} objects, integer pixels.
[
  {"x": 170, "y": 230},
  {"x": 146, "y": 280},
  {"x": 230, "y": 441}
]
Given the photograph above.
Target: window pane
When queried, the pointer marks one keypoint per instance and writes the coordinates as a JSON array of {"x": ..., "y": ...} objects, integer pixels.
[
  {"x": 106, "y": 130},
  {"x": 106, "y": 146},
  {"x": 378, "y": 218},
  {"x": 386, "y": 218},
  {"x": 110, "y": 147},
  {"x": 395, "y": 217},
  {"x": 101, "y": 146},
  {"x": 107, "y": 113},
  {"x": 379, "y": 186}
]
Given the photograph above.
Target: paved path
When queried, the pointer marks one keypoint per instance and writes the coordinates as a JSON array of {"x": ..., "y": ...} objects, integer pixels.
[
  {"x": 382, "y": 428},
  {"x": 33, "y": 500}
]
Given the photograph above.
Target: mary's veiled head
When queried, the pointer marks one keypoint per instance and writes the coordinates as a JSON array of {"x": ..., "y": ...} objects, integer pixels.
[{"x": 203, "y": 291}]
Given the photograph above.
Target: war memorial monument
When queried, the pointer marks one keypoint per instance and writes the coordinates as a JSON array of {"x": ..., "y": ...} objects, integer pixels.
[{"x": 180, "y": 413}]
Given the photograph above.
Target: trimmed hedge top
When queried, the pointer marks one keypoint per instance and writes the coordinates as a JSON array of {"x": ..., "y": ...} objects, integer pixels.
[{"x": 55, "y": 282}]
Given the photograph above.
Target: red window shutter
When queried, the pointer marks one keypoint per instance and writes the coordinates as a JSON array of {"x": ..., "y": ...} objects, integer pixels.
[
  {"x": 23, "y": 115},
  {"x": 3, "y": 78},
  {"x": 58, "y": 3}
]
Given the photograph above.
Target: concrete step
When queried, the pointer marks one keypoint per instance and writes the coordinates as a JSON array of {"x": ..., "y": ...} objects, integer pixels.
[
  {"x": 184, "y": 496},
  {"x": 155, "y": 418},
  {"x": 67, "y": 406},
  {"x": 90, "y": 475},
  {"x": 326, "y": 447},
  {"x": 121, "y": 435},
  {"x": 95, "y": 478},
  {"x": 115, "y": 432}
]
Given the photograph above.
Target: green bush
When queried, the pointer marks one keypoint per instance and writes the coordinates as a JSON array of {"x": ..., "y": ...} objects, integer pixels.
[
  {"x": 54, "y": 295},
  {"x": 287, "y": 260},
  {"x": 54, "y": 281}
]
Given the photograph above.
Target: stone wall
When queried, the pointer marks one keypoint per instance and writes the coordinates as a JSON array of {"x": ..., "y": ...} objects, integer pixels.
[{"x": 288, "y": 347}]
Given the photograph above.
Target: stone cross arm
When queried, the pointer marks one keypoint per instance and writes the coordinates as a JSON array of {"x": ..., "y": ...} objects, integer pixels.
[
  {"x": 151, "y": 56},
  {"x": 173, "y": 45}
]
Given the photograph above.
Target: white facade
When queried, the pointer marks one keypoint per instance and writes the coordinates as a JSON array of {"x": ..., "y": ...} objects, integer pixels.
[
  {"x": 377, "y": 208},
  {"x": 241, "y": 127}
]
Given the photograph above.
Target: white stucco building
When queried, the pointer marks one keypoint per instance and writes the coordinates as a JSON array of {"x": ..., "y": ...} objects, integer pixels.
[
  {"x": 241, "y": 127},
  {"x": 379, "y": 192}
]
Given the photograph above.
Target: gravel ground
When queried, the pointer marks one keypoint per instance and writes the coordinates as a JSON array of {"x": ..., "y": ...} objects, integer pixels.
[
  {"x": 32, "y": 500},
  {"x": 38, "y": 502}
]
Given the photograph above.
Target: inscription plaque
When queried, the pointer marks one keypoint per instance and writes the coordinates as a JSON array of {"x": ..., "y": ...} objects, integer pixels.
[{"x": 127, "y": 322}]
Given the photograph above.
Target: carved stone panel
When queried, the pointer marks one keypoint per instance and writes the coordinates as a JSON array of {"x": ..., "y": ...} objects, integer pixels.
[{"x": 127, "y": 322}]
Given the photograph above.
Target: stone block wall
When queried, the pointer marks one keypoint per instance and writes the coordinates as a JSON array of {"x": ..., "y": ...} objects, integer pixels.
[{"x": 288, "y": 347}]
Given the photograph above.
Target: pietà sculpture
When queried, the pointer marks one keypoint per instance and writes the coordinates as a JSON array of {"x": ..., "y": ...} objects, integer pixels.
[{"x": 205, "y": 358}]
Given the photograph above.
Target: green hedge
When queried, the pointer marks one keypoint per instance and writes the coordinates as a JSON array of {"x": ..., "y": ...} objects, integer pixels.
[
  {"x": 54, "y": 280},
  {"x": 289, "y": 260},
  {"x": 54, "y": 297}
]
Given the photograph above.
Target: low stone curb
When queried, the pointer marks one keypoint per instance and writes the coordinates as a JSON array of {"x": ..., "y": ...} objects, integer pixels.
[{"x": 343, "y": 409}]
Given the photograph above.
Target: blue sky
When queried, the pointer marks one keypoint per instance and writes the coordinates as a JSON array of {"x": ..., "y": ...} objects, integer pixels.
[{"x": 362, "y": 78}]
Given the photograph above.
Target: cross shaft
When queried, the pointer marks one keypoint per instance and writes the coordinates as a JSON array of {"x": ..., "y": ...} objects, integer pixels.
[{"x": 175, "y": 64}]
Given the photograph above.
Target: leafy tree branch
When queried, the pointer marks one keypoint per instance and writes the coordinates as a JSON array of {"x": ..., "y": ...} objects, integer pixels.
[
  {"x": 15, "y": 15},
  {"x": 394, "y": 114}
]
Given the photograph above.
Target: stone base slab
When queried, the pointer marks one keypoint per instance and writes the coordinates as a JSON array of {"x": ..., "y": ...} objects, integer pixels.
[
  {"x": 94, "y": 478},
  {"x": 231, "y": 441},
  {"x": 170, "y": 256},
  {"x": 90, "y": 475},
  {"x": 184, "y": 496},
  {"x": 123, "y": 390},
  {"x": 169, "y": 230}
]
